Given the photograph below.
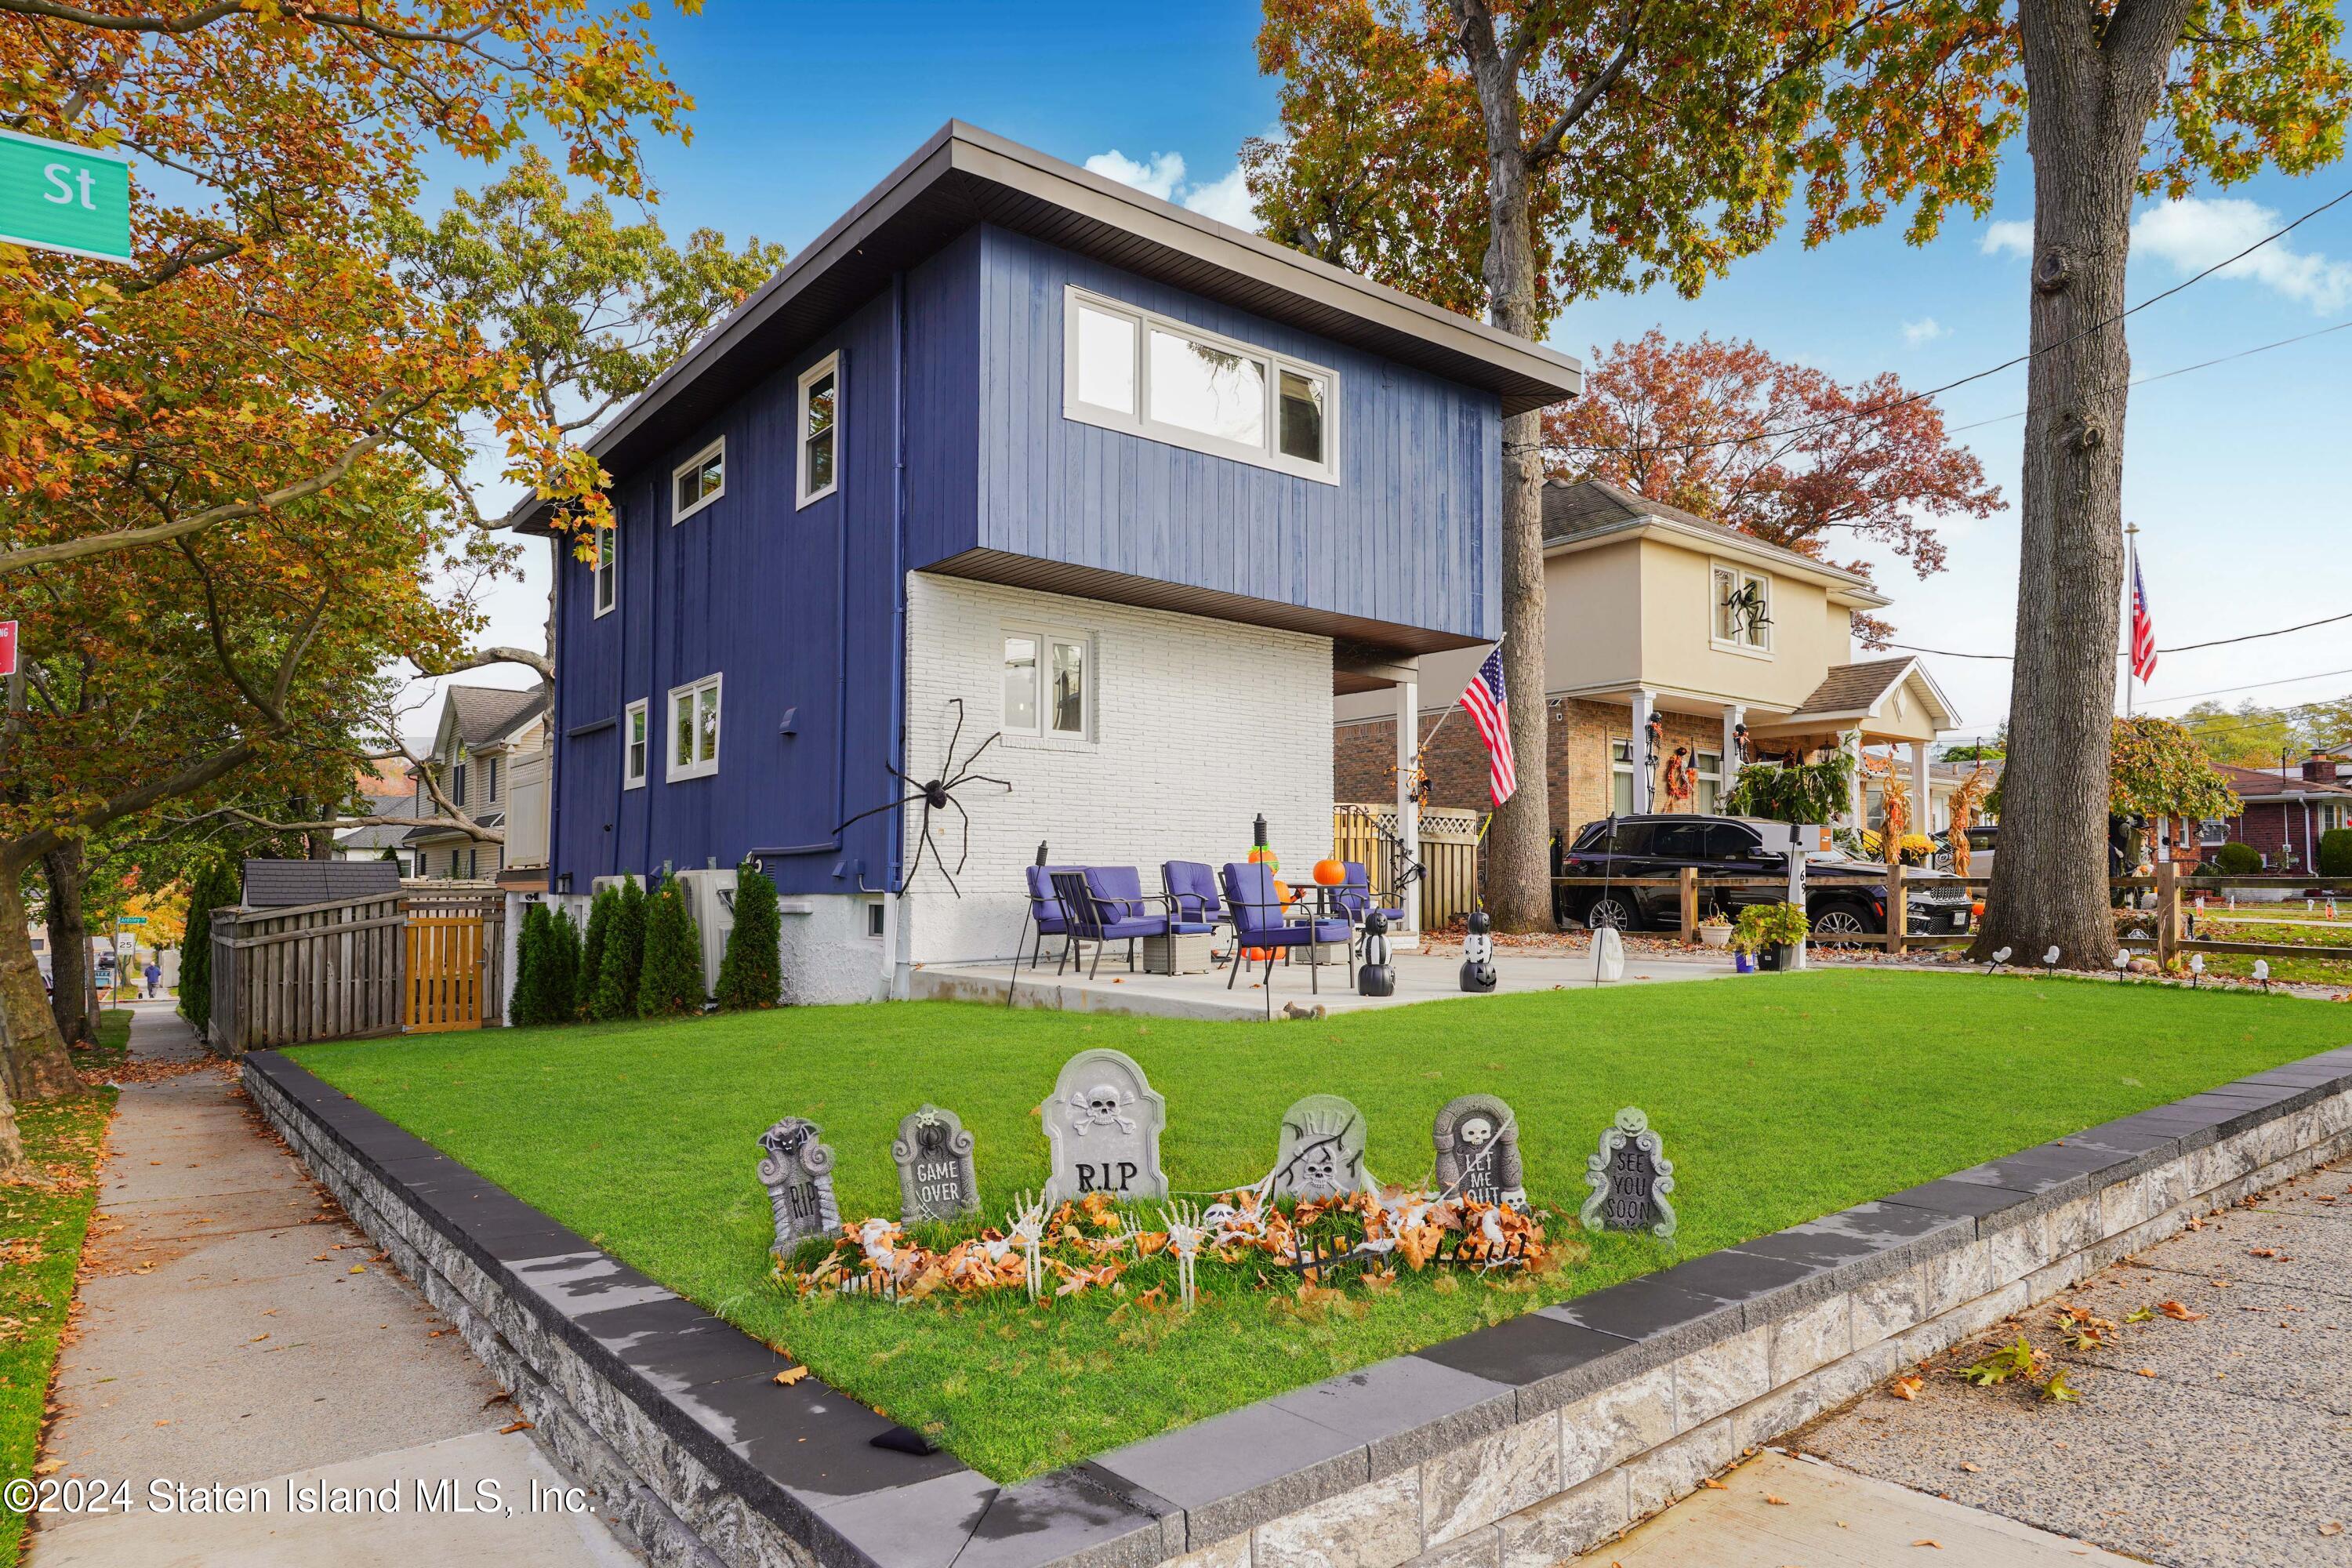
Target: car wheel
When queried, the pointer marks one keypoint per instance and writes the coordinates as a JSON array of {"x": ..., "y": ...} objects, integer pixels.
[
  {"x": 1610, "y": 911},
  {"x": 1839, "y": 920}
]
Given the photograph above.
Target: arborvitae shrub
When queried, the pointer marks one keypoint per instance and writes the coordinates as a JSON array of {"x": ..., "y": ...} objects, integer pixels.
[
  {"x": 671, "y": 982},
  {"x": 750, "y": 971},
  {"x": 623, "y": 960}
]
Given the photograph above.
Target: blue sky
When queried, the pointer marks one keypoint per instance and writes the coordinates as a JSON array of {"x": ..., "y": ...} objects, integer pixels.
[{"x": 2236, "y": 475}]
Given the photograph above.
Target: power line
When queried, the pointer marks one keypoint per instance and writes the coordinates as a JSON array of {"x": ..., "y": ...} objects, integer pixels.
[
  {"x": 2184, "y": 648},
  {"x": 2011, "y": 364},
  {"x": 2168, "y": 374}
]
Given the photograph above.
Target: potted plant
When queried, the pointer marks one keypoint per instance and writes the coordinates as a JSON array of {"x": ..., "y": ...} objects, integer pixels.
[
  {"x": 1773, "y": 934},
  {"x": 1716, "y": 931}
]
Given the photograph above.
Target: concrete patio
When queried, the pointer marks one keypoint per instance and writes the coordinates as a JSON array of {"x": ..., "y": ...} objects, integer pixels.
[{"x": 1420, "y": 977}]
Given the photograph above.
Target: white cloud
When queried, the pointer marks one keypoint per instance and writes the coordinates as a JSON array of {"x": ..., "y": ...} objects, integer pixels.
[
  {"x": 2007, "y": 237},
  {"x": 1158, "y": 176},
  {"x": 1926, "y": 329},
  {"x": 1163, "y": 174},
  {"x": 2193, "y": 234}
]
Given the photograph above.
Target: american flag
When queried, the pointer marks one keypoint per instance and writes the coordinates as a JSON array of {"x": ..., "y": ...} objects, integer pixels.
[
  {"x": 1490, "y": 710},
  {"x": 2143, "y": 629}
]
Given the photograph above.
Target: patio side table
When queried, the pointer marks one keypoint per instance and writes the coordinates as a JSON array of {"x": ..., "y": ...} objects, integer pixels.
[{"x": 1185, "y": 955}]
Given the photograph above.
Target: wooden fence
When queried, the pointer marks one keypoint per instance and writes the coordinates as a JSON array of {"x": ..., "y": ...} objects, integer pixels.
[
  {"x": 341, "y": 969},
  {"x": 1449, "y": 855}
]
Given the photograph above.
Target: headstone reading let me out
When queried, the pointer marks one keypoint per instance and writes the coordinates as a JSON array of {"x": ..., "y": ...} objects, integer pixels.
[
  {"x": 1102, "y": 1123},
  {"x": 1630, "y": 1176},
  {"x": 1477, "y": 1140},
  {"x": 796, "y": 1168},
  {"x": 1320, "y": 1150},
  {"x": 935, "y": 1175}
]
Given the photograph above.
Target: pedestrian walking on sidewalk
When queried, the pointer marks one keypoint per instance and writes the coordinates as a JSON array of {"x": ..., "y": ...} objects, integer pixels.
[{"x": 155, "y": 974}]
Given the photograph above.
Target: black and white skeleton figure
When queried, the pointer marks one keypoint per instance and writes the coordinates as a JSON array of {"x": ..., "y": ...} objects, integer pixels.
[
  {"x": 1104, "y": 1105},
  {"x": 937, "y": 795},
  {"x": 1477, "y": 1141}
]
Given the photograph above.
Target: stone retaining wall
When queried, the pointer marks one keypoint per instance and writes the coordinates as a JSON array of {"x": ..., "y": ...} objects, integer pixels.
[{"x": 1517, "y": 1445}]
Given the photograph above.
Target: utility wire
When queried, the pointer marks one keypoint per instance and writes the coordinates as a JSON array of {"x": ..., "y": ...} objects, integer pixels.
[
  {"x": 2184, "y": 648},
  {"x": 2011, "y": 364},
  {"x": 2168, "y": 374}
]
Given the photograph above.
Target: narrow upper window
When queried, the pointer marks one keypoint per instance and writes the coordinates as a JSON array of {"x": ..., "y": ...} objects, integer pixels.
[
  {"x": 698, "y": 482},
  {"x": 490, "y": 781},
  {"x": 634, "y": 743},
  {"x": 820, "y": 429},
  {"x": 608, "y": 564},
  {"x": 1130, "y": 370},
  {"x": 1045, "y": 684},
  {"x": 1740, "y": 616},
  {"x": 1021, "y": 682},
  {"x": 694, "y": 729}
]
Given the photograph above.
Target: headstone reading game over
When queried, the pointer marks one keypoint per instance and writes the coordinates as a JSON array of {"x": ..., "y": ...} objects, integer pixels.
[
  {"x": 1630, "y": 1176},
  {"x": 1320, "y": 1152},
  {"x": 1477, "y": 1140},
  {"x": 796, "y": 1168},
  {"x": 935, "y": 1174},
  {"x": 1102, "y": 1123}
]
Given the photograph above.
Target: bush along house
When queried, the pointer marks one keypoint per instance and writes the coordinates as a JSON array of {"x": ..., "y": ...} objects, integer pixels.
[
  {"x": 1019, "y": 473},
  {"x": 1740, "y": 649}
]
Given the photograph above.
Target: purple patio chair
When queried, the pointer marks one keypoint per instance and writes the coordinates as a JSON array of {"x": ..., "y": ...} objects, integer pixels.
[
  {"x": 1260, "y": 921},
  {"x": 1046, "y": 910},
  {"x": 1193, "y": 907},
  {"x": 1105, "y": 904},
  {"x": 1354, "y": 897}
]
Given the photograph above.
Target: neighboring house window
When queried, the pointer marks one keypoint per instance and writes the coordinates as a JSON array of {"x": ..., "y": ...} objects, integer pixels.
[
  {"x": 2212, "y": 831},
  {"x": 608, "y": 565},
  {"x": 1742, "y": 611},
  {"x": 694, "y": 729},
  {"x": 1620, "y": 777},
  {"x": 1045, "y": 684},
  {"x": 1149, "y": 376},
  {"x": 1710, "y": 780},
  {"x": 490, "y": 781},
  {"x": 635, "y": 742},
  {"x": 820, "y": 429},
  {"x": 457, "y": 783},
  {"x": 698, "y": 482},
  {"x": 473, "y": 864}
]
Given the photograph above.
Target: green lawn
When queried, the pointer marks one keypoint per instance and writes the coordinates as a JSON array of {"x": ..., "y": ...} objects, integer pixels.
[
  {"x": 1779, "y": 1099},
  {"x": 2292, "y": 971},
  {"x": 41, "y": 1231}
]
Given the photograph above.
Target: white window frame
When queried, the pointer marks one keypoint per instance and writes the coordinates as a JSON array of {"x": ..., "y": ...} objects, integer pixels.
[
  {"x": 717, "y": 448},
  {"x": 1622, "y": 768},
  {"x": 1741, "y": 576},
  {"x": 641, "y": 708},
  {"x": 605, "y": 585},
  {"x": 701, "y": 768},
  {"x": 1140, "y": 422},
  {"x": 829, "y": 365},
  {"x": 1046, "y": 638},
  {"x": 1701, "y": 776}
]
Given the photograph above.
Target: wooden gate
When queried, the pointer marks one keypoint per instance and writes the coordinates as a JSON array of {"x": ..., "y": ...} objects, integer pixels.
[
  {"x": 450, "y": 980},
  {"x": 1449, "y": 855}
]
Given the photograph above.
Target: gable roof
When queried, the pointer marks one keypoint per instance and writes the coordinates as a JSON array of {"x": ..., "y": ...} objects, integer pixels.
[
  {"x": 1856, "y": 690},
  {"x": 393, "y": 813},
  {"x": 2264, "y": 784},
  {"x": 964, "y": 175},
  {"x": 1591, "y": 509},
  {"x": 283, "y": 884},
  {"x": 479, "y": 715}
]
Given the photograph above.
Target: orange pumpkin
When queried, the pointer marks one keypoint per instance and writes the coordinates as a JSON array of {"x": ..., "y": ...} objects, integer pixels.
[
  {"x": 1330, "y": 873},
  {"x": 1282, "y": 893}
]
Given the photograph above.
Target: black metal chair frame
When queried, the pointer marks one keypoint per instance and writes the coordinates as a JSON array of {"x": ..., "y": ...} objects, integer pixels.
[{"x": 1083, "y": 911}]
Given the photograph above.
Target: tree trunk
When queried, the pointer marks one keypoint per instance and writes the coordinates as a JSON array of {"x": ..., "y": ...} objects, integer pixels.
[
  {"x": 2089, "y": 99},
  {"x": 1518, "y": 841},
  {"x": 15, "y": 1169},
  {"x": 62, "y": 868},
  {"x": 33, "y": 1061}
]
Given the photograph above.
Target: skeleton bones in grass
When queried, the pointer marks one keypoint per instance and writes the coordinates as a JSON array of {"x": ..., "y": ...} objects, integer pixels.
[
  {"x": 1101, "y": 1107},
  {"x": 1025, "y": 1226},
  {"x": 1185, "y": 1235}
]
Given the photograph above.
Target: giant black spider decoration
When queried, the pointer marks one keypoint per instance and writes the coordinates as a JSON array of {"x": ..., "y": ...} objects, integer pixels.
[{"x": 937, "y": 795}]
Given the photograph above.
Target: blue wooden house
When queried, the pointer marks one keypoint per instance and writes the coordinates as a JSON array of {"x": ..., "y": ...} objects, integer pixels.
[{"x": 1123, "y": 493}]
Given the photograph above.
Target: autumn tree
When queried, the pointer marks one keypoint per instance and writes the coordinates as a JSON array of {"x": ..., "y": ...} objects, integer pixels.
[
  {"x": 2250, "y": 735},
  {"x": 1840, "y": 465}
]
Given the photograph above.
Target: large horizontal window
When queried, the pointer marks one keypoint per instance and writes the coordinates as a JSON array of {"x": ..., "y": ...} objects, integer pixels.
[{"x": 1126, "y": 369}]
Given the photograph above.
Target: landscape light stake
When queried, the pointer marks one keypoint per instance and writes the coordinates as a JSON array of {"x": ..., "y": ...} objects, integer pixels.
[
  {"x": 2196, "y": 969},
  {"x": 2049, "y": 964},
  {"x": 2000, "y": 957},
  {"x": 2262, "y": 971}
]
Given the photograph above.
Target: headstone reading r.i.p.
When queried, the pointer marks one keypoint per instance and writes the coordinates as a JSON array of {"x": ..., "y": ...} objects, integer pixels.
[
  {"x": 1102, "y": 1123},
  {"x": 935, "y": 1175},
  {"x": 796, "y": 1167},
  {"x": 1630, "y": 1176},
  {"x": 1320, "y": 1150}
]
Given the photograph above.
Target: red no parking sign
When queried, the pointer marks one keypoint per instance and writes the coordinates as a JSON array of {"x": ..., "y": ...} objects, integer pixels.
[{"x": 7, "y": 648}]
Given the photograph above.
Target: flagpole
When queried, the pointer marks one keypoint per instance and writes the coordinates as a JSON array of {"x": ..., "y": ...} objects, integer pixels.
[{"x": 2131, "y": 582}]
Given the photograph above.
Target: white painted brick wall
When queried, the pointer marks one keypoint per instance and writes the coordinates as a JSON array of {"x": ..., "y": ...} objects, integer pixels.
[{"x": 1199, "y": 725}]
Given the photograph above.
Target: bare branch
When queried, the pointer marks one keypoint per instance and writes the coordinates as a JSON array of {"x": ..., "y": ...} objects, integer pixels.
[
  {"x": 482, "y": 657},
  {"x": 1546, "y": 146}
]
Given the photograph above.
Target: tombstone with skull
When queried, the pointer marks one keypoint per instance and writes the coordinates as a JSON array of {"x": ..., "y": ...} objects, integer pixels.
[
  {"x": 1102, "y": 1130},
  {"x": 935, "y": 1181},
  {"x": 796, "y": 1167},
  {"x": 1477, "y": 1139},
  {"x": 1320, "y": 1152}
]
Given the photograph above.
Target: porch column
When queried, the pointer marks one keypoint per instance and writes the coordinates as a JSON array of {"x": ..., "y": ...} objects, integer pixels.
[
  {"x": 1733, "y": 716},
  {"x": 1923, "y": 799},
  {"x": 1644, "y": 776},
  {"x": 1408, "y": 808},
  {"x": 1858, "y": 806}
]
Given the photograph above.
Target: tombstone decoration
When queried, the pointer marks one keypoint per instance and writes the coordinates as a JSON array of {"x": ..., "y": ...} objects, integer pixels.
[
  {"x": 1478, "y": 954},
  {"x": 797, "y": 1171},
  {"x": 1320, "y": 1152},
  {"x": 1102, "y": 1123},
  {"x": 1477, "y": 1140},
  {"x": 1378, "y": 975},
  {"x": 1630, "y": 1176},
  {"x": 933, "y": 1151}
]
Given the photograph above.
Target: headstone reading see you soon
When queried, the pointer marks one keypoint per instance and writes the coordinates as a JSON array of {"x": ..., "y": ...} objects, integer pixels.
[{"x": 1630, "y": 1176}]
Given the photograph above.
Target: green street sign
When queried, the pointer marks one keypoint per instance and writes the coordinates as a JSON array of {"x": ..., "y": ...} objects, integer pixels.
[
  {"x": 57, "y": 196},
  {"x": 131, "y": 919}
]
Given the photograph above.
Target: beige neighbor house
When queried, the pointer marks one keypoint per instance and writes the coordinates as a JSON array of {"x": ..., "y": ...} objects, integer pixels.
[
  {"x": 1739, "y": 648},
  {"x": 489, "y": 754}
]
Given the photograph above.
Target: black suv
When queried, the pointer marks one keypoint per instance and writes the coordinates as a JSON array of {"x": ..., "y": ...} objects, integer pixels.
[{"x": 1733, "y": 846}]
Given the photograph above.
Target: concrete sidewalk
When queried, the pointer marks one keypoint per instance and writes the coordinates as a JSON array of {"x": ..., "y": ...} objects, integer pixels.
[{"x": 233, "y": 1329}]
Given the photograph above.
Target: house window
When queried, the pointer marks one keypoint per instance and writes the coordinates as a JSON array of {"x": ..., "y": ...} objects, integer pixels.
[
  {"x": 1149, "y": 376},
  {"x": 876, "y": 916},
  {"x": 457, "y": 782},
  {"x": 698, "y": 482},
  {"x": 694, "y": 729},
  {"x": 1741, "y": 615},
  {"x": 1710, "y": 780},
  {"x": 820, "y": 429},
  {"x": 473, "y": 864},
  {"x": 1045, "y": 684},
  {"x": 608, "y": 566},
  {"x": 490, "y": 781},
  {"x": 1620, "y": 777},
  {"x": 635, "y": 741}
]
